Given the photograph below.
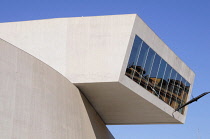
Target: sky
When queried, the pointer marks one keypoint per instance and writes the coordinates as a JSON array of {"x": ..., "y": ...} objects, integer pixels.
[{"x": 184, "y": 25}]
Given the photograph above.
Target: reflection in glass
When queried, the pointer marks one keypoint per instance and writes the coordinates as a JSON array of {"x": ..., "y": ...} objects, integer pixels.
[
  {"x": 149, "y": 70},
  {"x": 166, "y": 82},
  {"x": 141, "y": 62},
  {"x": 148, "y": 67},
  {"x": 159, "y": 80},
  {"x": 153, "y": 74},
  {"x": 182, "y": 91},
  {"x": 171, "y": 87},
  {"x": 176, "y": 90},
  {"x": 131, "y": 68},
  {"x": 186, "y": 91}
]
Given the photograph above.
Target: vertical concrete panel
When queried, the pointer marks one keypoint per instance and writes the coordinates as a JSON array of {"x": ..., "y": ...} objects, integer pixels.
[{"x": 8, "y": 82}]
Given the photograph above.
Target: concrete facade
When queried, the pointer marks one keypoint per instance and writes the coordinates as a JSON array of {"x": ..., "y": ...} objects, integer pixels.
[
  {"x": 93, "y": 53},
  {"x": 38, "y": 102}
]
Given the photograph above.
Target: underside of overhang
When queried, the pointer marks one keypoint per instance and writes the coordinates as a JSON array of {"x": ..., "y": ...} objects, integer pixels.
[{"x": 116, "y": 104}]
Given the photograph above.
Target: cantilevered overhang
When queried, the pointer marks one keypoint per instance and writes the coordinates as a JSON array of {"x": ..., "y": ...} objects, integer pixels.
[
  {"x": 93, "y": 53},
  {"x": 117, "y": 104}
]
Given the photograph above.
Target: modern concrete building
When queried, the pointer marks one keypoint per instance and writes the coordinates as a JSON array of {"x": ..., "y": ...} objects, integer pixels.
[{"x": 69, "y": 77}]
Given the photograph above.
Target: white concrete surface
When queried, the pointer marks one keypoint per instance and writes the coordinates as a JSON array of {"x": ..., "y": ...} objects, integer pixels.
[
  {"x": 93, "y": 52},
  {"x": 36, "y": 102},
  {"x": 118, "y": 105},
  {"x": 80, "y": 48}
]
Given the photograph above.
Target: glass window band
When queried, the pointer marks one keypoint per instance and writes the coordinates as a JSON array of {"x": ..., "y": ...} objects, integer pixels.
[{"x": 149, "y": 70}]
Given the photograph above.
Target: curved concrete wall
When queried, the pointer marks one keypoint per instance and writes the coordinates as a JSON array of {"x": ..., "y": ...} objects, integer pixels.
[{"x": 36, "y": 102}]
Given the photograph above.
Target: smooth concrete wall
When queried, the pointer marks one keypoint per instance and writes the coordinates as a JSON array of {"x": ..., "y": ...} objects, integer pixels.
[
  {"x": 36, "y": 102},
  {"x": 96, "y": 47},
  {"x": 83, "y": 49},
  {"x": 44, "y": 39}
]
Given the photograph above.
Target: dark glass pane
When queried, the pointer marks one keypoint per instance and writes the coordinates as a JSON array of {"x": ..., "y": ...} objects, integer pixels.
[
  {"x": 165, "y": 83},
  {"x": 186, "y": 90},
  {"x": 171, "y": 87},
  {"x": 154, "y": 70},
  {"x": 148, "y": 66},
  {"x": 177, "y": 84},
  {"x": 178, "y": 104},
  {"x": 182, "y": 88},
  {"x": 159, "y": 80},
  {"x": 131, "y": 67},
  {"x": 187, "y": 87},
  {"x": 176, "y": 90},
  {"x": 166, "y": 76},
  {"x": 141, "y": 62},
  {"x": 185, "y": 95},
  {"x": 182, "y": 109},
  {"x": 172, "y": 81}
]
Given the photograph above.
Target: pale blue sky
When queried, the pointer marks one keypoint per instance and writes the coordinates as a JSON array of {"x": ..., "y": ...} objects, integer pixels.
[{"x": 184, "y": 25}]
